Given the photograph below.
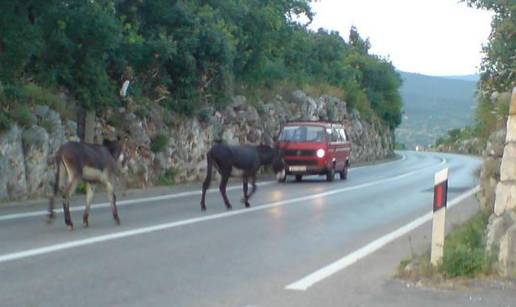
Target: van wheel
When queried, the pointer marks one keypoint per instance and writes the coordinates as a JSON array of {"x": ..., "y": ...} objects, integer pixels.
[
  {"x": 344, "y": 173},
  {"x": 299, "y": 178},
  {"x": 330, "y": 175}
]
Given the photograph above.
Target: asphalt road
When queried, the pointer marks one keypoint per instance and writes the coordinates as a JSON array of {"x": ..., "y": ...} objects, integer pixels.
[{"x": 169, "y": 253}]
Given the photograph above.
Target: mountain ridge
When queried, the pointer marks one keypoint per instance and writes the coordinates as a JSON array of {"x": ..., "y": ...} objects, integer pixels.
[{"x": 433, "y": 105}]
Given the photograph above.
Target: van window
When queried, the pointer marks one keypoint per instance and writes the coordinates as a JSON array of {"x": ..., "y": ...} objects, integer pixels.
[
  {"x": 343, "y": 135},
  {"x": 333, "y": 136},
  {"x": 302, "y": 134}
]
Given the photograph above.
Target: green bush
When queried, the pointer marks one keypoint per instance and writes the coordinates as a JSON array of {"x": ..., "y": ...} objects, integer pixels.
[
  {"x": 116, "y": 120},
  {"x": 464, "y": 250},
  {"x": 204, "y": 115},
  {"x": 5, "y": 121},
  {"x": 23, "y": 115},
  {"x": 159, "y": 143},
  {"x": 142, "y": 112},
  {"x": 48, "y": 125}
]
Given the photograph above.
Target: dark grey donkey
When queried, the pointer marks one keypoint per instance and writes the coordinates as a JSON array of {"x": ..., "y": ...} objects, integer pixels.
[
  {"x": 92, "y": 164},
  {"x": 240, "y": 160}
]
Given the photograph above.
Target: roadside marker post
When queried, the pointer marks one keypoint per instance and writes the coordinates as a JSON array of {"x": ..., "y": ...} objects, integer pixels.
[{"x": 439, "y": 216}]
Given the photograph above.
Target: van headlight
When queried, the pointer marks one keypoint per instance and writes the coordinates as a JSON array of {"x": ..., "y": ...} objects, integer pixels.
[{"x": 320, "y": 153}]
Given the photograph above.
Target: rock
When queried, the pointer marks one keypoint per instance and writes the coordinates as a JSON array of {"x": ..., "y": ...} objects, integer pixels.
[
  {"x": 496, "y": 143},
  {"x": 189, "y": 138},
  {"x": 251, "y": 116},
  {"x": 508, "y": 167},
  {"x": 497, "y": 228},
  {"x": 491, "y": 168},
  {"x": 487, "y": 194},
  {"x": 13, "y": 183},
  {"x": 36, "y": 151},
  {"x": 511, "y": 129},
  {"x": 254, "y": 136},
  {"x": 228, "y": 136},
  {"x": 70, "y": 129},
  {"x": 134, "y": 127},
  {"x": 505, "y": 198},
  {"x": 507, "y": 255},
  {"x": 239, "y": 103}
]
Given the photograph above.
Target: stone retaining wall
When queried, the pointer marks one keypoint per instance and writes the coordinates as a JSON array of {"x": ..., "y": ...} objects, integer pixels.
[{"x": 502, "y": 225}]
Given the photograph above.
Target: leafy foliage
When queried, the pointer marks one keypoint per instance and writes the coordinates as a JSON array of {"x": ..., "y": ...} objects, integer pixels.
[
  {"x": 159, "y": 143},
  {"x": 499, "y": 62},
  {"x": 187, "y": 54}
]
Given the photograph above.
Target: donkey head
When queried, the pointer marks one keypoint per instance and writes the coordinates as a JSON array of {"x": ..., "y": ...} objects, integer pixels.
[
  {"x": 278, "y": 165},
  {"x": 118, "y": 151}
]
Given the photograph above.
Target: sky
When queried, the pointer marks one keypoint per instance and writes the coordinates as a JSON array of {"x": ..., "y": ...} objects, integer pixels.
[{"x": 431, "y": 37}]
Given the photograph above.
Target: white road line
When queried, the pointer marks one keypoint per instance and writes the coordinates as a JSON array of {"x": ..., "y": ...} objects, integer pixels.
[
  {"x": 125, "y": 202},
  {"x": 308, "y": 281},
  {"x": 403, "y": 158},
  {"x": 149, "y": 229},
  {"x": 122, "y": 203}
]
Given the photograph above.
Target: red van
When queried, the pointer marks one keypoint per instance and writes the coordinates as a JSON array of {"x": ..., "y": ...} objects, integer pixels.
[{"x": 314, "y": 148}]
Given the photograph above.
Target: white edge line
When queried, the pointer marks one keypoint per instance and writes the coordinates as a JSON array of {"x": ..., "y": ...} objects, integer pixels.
[
  {"x": 124, "y": 202},
  {"x": 308, "y": 281},
  {"x": 143, "y": 199},
  {"x": 148, "y": 229}
]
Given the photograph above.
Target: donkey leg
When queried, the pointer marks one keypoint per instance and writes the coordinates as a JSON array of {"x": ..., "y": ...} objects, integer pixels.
[
  {"x": 112, "y": 201},
  {"x": 222, "y": 188},
  {"x": 207, "y": 180},
  {"x": 89, "y": 198},
  {"x": 253, "y": 187},
  {"x": 245, "y": 197},
  {"x": 205, "y": 186},
  {"x": 60, "y": 174},
  {"x": 70, "y": 190}
]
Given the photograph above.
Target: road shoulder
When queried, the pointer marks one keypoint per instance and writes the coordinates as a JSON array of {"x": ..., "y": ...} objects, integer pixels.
[{"x": 372, "y": 282}]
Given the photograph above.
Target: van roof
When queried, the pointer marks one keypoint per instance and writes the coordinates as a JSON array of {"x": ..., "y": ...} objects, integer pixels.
[{"x": 321, "y": 123}]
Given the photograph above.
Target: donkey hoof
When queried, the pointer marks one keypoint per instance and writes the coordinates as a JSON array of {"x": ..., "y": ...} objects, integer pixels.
[
  {"x": 117, "y": 221},
  {"x": 229, "y": 207},
  {"x": 247, "y": 205},
  {"x": 70, "y": 227},
  {"x": 85, "y": 224}
]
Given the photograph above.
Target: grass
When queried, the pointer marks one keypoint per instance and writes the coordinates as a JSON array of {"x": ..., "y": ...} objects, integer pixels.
[
  {"x": 167, "y": 178},
  {"x": 37, "y": 95},
  {"x": 465, "y": 250},
  {"x": 464, "y": 255}
]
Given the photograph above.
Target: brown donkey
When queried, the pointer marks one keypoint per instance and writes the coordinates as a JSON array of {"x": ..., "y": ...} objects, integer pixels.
[{"x": 92, "y": 164}]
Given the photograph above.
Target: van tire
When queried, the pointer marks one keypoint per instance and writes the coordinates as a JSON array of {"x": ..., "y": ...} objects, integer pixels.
[
  {"x": 299, "y": 178},
  {"x": 344, "y": 173},
  {"x": 330, "y": 175}
]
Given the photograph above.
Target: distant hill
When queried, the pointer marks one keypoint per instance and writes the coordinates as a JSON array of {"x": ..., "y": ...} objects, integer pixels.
[
  {"x": 473, "y": 78},
  {"x": 434, "y": 105}
]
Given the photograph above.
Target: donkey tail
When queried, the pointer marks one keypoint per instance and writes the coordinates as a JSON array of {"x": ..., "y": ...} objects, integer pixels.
[{"x": 55, "y": 187}]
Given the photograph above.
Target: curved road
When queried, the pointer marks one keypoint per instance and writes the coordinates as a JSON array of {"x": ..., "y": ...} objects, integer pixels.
[{"x": 169, "y": 253}]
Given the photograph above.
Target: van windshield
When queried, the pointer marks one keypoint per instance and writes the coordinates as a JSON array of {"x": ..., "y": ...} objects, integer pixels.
[{"x": 302, "y": 134}]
